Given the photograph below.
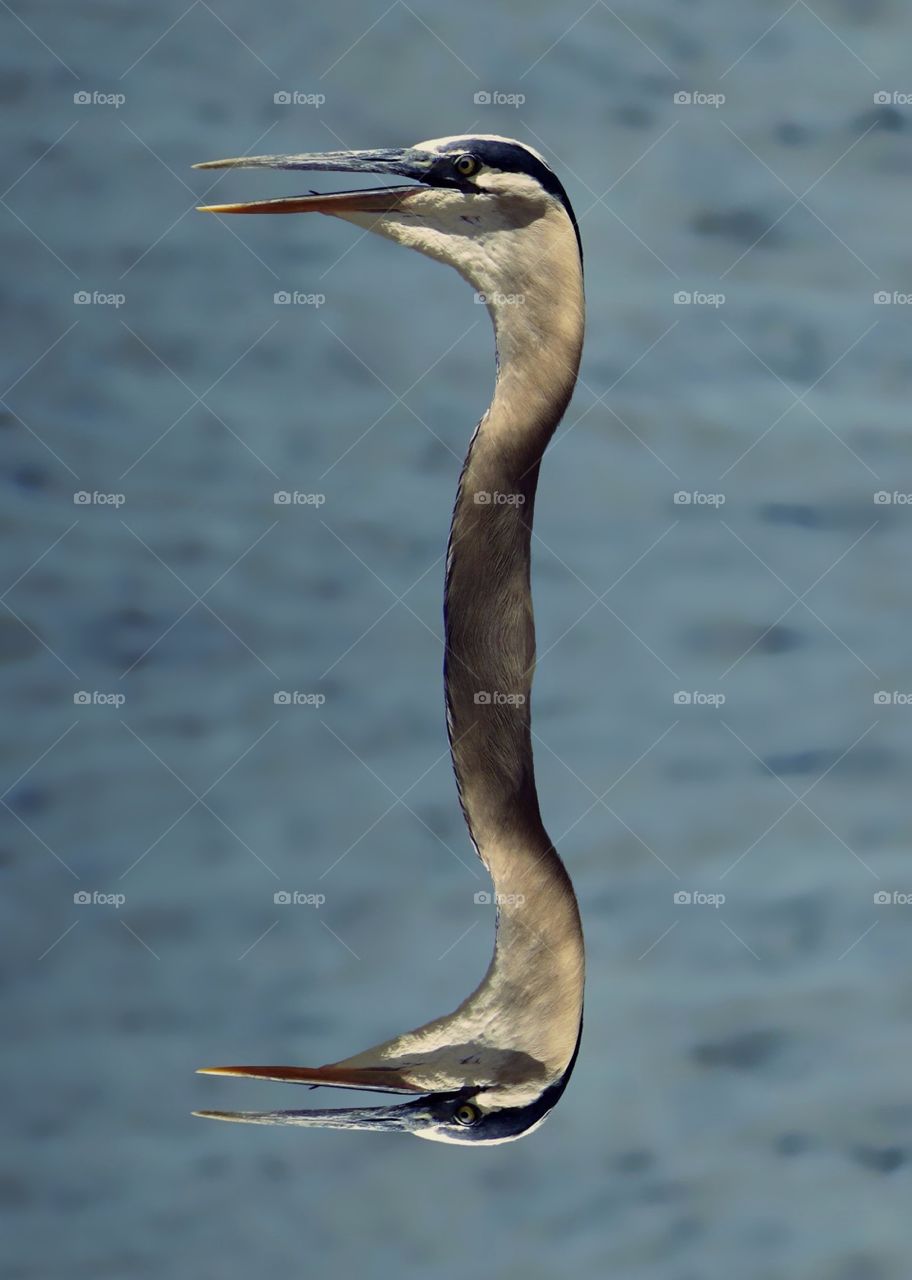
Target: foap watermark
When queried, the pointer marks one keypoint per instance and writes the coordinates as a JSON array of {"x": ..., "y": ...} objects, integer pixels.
[
  {"x": 297, "y": 698},
  {"x": 95, "y": 698},
  {"x": 294, "y": 498},
  {"x": 496, "y": 299},
  {"x": 883, "y": 498},
  {"x": 295, "y": 298},
  {"x": 83, "y": 898},
  {"x": 295, "y": 898},
  {"x": 95, "y": 98},
  {"x": 83, "y": 298},
  {"x": 488, "y": 498},
  {"x": 696, "y": 98},
  {"x": 892, "y": 98},
  {"x": 894, "y": 297},
  {"x": 892, "y": 898},
  {"x": 696, "y": 898},
  {"x": 484, "y": 899},
  {"x": 696, "y": 498},
  {"x": 298, "y": 98},
  {"x": 892, "y": 698},
  {"x": 493, "y": 698},
  {"x": 694, "y": 698},
  {"x": 82, "y": 498},
  {"x": 497, "y": 98},
  {"x": 694, "y": 298}
]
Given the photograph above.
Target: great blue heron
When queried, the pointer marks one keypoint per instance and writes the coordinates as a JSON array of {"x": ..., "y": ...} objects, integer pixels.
[{"x": 492, "y": 1070}]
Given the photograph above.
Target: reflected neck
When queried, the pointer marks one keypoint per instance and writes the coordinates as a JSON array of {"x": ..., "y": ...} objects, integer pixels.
[{"x": 490, "y": 636}]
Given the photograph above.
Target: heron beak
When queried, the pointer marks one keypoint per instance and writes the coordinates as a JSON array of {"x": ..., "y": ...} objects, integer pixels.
[
  {"x": 405, "y": 162},
  {"x": 407, "y": 1117},
  {"x": 402, "y": 1119},
  {"x": 372, "y": 1079}
]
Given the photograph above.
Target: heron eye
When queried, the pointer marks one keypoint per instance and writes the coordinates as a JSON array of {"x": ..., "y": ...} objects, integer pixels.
[
  {"x": 467, "y": 1114},
  {"x": 466, "y": 165}
]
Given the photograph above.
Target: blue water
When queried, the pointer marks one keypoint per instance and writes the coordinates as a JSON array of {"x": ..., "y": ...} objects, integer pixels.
[{"x": 741, "y": 1104}]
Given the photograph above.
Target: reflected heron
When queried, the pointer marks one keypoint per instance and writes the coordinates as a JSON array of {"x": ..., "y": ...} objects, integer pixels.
[{"x": 492, "y": 1070}]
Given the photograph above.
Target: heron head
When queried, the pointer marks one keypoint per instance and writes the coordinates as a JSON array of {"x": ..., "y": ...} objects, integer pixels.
[
  {"x": 491, "y": 207},
  {"x": 507, "y": 1096}
]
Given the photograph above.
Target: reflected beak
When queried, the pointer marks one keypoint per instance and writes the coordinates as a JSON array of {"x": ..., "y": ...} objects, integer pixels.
[
  {"x": 405, "y": 1118},
  {"x": 373, "y": 1079},
  {"x": 402, "y": 1119},
  {"x": 405, "y": 162}
]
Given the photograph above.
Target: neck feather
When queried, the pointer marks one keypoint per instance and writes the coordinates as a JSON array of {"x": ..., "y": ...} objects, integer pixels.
[
  {"x": 490, "y": 643},
  {"x": 521, "y": 1026}
]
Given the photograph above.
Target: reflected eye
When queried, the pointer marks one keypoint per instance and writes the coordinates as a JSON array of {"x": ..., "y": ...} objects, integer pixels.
[
  {"x": 466, "y": 165},
  {"x": 467, "y": 1114}
]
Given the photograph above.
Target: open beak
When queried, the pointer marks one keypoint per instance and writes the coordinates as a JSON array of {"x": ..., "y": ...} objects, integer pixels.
[
  {"x": 404, "y": 1118},
  {"x": 404, "y": 162}
]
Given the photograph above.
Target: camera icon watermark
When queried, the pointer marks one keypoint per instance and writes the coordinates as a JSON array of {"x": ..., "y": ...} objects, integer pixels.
[
  {"x": 94, "y": 98},
  {"x": 484, "y": 899},
  {"x": 83, "y": 898},
  {"x": 296, "y": 298},
  {"x": 694, "y": 298},
  {"x": 488, "y": 498},
  {"x": 892, "y": 297},
  {"x": 495, "y": 299},
  {"x": 295, "y": 898},
  {"x": 696, "y": 898},
  {"x": 83, "y": 298},
  {"x": 695, "y": 698},
  {"x": 286, "y": 498},
  {"x": 94, "y": 698},
  {"x": 496, "y": 98},
  {"x": 82, "y": 498},
  {"x": 297, "y": 698},
  {"x": 892, "y": 898},
  {"x": 696, "y": 98},
  {"x": 298, "y": 98},
  {"x": 891, "y": 98},
  {"x": 892, "y": 698},
  {"x": 883, "y": 498},
  {"x": 487, "y": 698},
  {"x": 697, "y": 498}
]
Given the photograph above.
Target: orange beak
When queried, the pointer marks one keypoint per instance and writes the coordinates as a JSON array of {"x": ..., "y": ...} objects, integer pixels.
[
  {"x": 375, "y": 201},
  {"x": 381, "y": 1079}
]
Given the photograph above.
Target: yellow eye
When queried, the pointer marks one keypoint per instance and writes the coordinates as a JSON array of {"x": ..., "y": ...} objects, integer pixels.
[
  {"x": 467, "y": 1114},
  {"x": 466, "y": 165}
]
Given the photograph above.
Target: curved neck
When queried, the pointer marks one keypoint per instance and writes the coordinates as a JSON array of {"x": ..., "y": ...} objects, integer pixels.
[{"x": 490, "y": 636}]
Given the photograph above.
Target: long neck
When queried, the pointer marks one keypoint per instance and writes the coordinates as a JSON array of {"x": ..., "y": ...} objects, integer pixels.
[{"x": 490, "y": 636}]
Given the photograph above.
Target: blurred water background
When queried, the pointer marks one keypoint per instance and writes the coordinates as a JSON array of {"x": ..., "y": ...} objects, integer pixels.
[{"x": 741, "y": 1105}]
